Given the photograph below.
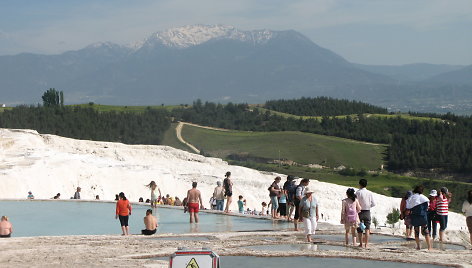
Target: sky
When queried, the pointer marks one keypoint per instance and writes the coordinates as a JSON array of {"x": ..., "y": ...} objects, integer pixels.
[{"x": 381, "y": 32}]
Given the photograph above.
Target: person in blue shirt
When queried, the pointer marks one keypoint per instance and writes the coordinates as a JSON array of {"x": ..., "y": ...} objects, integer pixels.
[{"x": 241, "y": 204}]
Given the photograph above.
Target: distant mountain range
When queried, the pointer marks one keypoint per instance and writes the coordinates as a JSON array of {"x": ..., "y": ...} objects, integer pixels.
[{"x": 221, "y": 63}]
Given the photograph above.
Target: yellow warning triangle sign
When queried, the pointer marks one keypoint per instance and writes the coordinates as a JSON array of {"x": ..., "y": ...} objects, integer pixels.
[{"x": 192, "y": 264}]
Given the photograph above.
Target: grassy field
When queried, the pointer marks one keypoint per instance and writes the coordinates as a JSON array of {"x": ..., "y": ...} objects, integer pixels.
[
  {"x": 303, "y": 148},
  {"x": 354, "y": 116}
]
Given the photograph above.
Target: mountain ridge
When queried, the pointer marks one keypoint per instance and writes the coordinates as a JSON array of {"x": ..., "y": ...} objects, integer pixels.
[{"x": 211, "y": 62}]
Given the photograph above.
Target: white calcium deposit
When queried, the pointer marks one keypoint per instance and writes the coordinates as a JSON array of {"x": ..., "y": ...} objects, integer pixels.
[{"x": 48, "y": 164}]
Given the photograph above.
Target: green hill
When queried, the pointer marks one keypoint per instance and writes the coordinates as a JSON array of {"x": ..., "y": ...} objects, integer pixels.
[{"x": 302, "y": 148}]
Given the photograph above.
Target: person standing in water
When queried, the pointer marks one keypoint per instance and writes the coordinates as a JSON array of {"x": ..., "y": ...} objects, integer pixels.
[
  {"x": 432, "y": 217},
  {"x": 228, "y": 186},
  {"x": 194, "y": 199},
  {"x": 219, "y": 196},
  {"x": 418, "y": 204},
  {"x": 309, "y": 213},
  {"x": 123, "y": 211},
  {"x": 274, "y": 194},
  {"x": 350, "y": 215},
  {"x": 366, "y": 200},
  {"x": 405, "y": 215},
  {"x": 442, "y": 209},
  {"x": 299, "y": 194},
  {"x": 150, "y": 222},
  {"x": 153, "y": 186},
  {"x": 6, "y": 228}
]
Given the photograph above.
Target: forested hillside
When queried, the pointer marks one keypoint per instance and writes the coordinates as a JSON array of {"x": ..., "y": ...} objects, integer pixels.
[
  {"x": 86, "y": 123},
  {"x": 322, "y": 106},
  {"x": 444, "y": 144}
]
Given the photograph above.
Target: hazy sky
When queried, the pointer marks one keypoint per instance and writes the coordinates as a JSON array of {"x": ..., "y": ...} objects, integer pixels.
[{"x": 362, "y": 31}]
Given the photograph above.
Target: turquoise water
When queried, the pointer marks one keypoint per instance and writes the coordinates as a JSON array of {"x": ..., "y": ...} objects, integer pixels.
[
  {"x": 183, "y": 238},
  {"x": 437, "y": 245},
  {"x": 284, "y": 262},
  {"x": 46, "y": 218},
  {"x": 298, "y": 247},
  {"x": 375, "y": 238}
]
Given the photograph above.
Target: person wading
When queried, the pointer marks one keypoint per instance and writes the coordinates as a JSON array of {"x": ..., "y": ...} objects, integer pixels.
[
  {"x": 228, "y": 185},
  {"x": 418, "y": 204},
  {"x": 299, "y": 194},
  {"x": 219, "y": 196},
  {"x": 123, "y": 211},
  {"x": 309, "y": 213},
  {"x": 366, "y": 200},
  {"x": 194, "y": 202}
]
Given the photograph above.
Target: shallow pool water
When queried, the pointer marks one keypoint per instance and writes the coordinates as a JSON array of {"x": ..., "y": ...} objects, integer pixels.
[
  {"x": 38, "y": 218},
  {"x": 298, "y": 247},
  {"x": 375, "y": 238},
  {"x": 182, "y": 238},
  {"x": 283, "y": 262},
  {"x": 436, "y": 245}
]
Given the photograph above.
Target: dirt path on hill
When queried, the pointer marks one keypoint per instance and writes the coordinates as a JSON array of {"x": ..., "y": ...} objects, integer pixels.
[{"x": 178, "y": 131}]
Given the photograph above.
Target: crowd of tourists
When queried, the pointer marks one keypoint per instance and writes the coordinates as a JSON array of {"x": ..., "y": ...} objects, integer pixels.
[{"x": 297, "y": 203}]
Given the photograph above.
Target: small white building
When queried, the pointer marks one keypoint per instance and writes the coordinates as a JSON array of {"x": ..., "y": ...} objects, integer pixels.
[{"x": 4, "y": 105}]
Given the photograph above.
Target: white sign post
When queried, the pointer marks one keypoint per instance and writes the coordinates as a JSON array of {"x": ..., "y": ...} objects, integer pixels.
[{"x": 200, "y": 258}]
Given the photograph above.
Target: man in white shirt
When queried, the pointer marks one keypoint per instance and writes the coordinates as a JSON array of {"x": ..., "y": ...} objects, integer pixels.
[{"x": 366, "y": 201}]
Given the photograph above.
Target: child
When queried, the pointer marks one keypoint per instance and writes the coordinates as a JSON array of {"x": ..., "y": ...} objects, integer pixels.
[
  {"x": 283, "y": 206},
  {"x": 241, "y": 204},
  {"x": 153, "y": 186},
  {"x": 264, "y": 209}
]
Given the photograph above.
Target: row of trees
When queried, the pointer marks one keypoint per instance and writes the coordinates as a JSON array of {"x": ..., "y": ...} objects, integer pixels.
[
  {"x": 89, "y": 124},
  {"x": 322, "y": 106}
]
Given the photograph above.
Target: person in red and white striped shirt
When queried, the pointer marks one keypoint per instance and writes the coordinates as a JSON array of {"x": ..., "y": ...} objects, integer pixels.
[{"x": 442, "y": 209}]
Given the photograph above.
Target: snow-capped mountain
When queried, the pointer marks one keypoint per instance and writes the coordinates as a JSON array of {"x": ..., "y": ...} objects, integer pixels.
[
  {"x": 211, "y": 62},
  {"x": 192, "y": 35}
]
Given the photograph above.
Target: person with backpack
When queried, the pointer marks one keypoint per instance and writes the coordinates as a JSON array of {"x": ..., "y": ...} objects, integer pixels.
[
  {"x": 418, "y": 204},
  {"x": 299, "y": 194},
  {"x": 350, "y": 215},
  {"x": 228, "y": 185},
  {"x": 274, "y": 194},
  {"x": 289, "y": 190},
  {"x": 309, "y": 213}
]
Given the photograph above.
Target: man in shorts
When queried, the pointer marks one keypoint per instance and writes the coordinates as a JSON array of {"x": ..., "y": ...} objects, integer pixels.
[
  {"x": 150, "y": 222},
  {"x": 194, "y": 204},
  {"x": 366, "y": 200}
]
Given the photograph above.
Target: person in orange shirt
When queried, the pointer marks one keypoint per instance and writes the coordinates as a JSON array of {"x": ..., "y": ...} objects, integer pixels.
[{"x": 123, "y": 211}]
